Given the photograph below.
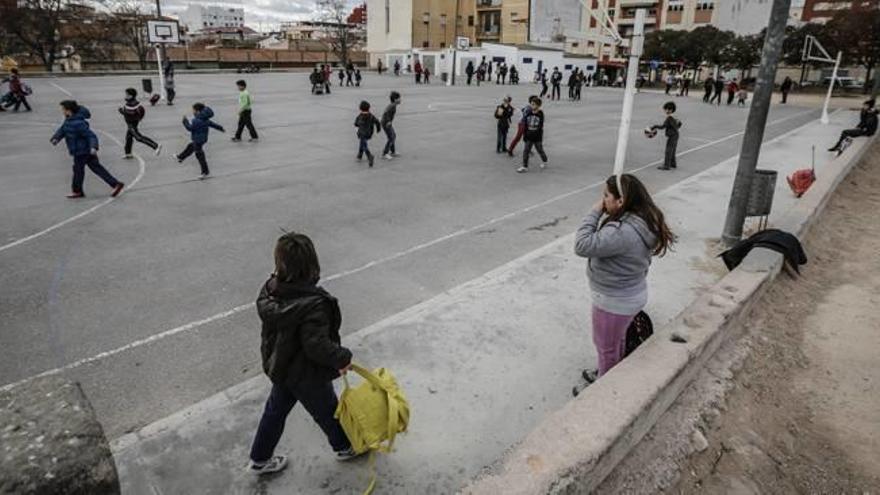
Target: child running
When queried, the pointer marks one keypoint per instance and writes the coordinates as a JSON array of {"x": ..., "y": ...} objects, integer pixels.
[
  {"x": 365, "y": 123},
  {"x": 671, "y": 125},
  {"x": 198, "y": 128},
  {"x": 133, "y": 112},
  {"x": 82, "y": 143},
  {"x": 534, "y": 136},
  {"x": 245, "y": 104}
]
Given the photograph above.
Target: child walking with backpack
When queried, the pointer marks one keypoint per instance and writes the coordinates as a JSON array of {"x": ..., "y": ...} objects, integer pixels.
[
  {"x": 521, "y": 126},
  {"x": 198, "y": 128},
  {"x": 301, "y": 350},
  {"x": 82, "y": 144},
  {"x": 134, "y": 112},
  {"x": 245, "y": 119},
  {"x": 671, "y": 125},
  {"x": 534, "y": 136},
  {"x": 366, "y": 122}
]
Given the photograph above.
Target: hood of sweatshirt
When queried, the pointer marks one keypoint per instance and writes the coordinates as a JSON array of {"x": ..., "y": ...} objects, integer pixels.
[
  {"x": 206, "y": 113},
  {"x": 641, "y": 228}
]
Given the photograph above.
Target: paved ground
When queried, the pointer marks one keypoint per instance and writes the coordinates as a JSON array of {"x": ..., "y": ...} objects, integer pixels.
[{"x": 145, "y": 299}]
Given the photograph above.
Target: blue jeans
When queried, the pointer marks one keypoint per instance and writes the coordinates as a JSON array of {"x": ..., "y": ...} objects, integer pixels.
[
  {"x": 392, "y": 140},
  {"x": 319, "y": 399},
  {"x": 80, "y": 162},
  {"x": 364, "y": 148},
  {"x": 501, "y": 142}
]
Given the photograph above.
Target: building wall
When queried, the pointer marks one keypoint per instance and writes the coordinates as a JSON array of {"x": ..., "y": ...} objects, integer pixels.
[
  {"x": 198, "y": 17},
  {"x": 389, "y": 27},
  {"x": 823, "y": 10},
  {"x": 439, "y": 30},
  {"x": 688, "y": 14},
  {"x": 553, "y": 17},
  {"x": 514, "y": 21}
]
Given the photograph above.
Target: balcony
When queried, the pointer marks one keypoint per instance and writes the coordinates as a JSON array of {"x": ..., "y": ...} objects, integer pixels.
[
  {"x": 638, "y": 3},
  {"x": 488, "y": 4},
  {"x": 631, "y": 20},
  {"x": 492, "y": 33}
]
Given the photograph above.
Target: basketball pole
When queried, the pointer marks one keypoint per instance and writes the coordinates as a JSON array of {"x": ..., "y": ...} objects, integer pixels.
[
  {"x": 825, "y": 118},
  {"x": 160, "y": 52},
  {"x": 629, "y": 94}
]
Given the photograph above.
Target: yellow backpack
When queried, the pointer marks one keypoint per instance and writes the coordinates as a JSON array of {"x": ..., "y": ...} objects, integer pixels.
[{"x": 372, "y": 413}]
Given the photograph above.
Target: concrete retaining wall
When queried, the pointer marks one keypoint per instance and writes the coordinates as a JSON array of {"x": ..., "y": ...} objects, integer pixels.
[
  {"x": 575, "y": 448},
  {"x": 51, "y": 442}
]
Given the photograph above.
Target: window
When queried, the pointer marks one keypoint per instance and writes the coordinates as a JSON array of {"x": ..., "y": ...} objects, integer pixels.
[
  {"x": 611, "y": 13},
  {"x": 470, "y": 20},
  {"x": 425, "y": 44},
  {"x": 704, "y": 5},
  {"x": 442, "y": 44},
  {"x": 527, "y": 60},
  {"x": 575, "y": 44},
  {"x": 567, "y": 67}
]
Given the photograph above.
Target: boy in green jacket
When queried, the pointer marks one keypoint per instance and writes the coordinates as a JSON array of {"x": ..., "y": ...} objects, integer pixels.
[{"x": 244, "y": 112}]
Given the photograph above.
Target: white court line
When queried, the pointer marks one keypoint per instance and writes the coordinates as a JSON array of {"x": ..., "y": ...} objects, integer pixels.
[
  {"x": 244, "y": 307},
  {"x": 59, "y": 88},
  {"x": 142, "y": 169}
]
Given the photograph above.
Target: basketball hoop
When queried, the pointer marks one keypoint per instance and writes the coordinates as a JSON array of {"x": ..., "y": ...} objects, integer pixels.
[{"x": 163, "y": 32}]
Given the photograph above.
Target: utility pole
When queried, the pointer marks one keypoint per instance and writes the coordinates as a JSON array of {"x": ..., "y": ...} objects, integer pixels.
[
  {"x": 454, "y": 46},
  {"x": 757, "y": 121},
  {"x": 635, "y": 51}
]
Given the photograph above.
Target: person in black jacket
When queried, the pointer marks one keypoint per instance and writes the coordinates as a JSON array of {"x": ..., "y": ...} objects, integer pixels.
[
  {"x": 719, "y": 89},
  {"x": 387, "y": 122},
  {"x": 534, "y": 135},
  {"x": 786, "y": 88},
  {"x": 867, "y": 125},
  {"x": 133, "y": 112},
  {"x": 301, "y": 351},
  {"x": 469, "y": 70},
  {"x": 503, "y": 114},
  {"x": 707, "y": 87},
  {"x": 556, "y": 80},
  {"x": 671, "y": 126},
  {"x": 365, "y": 123}
]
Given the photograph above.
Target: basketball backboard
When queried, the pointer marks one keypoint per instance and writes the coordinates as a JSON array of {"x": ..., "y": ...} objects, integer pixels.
[{"x": 163, "y": 32}]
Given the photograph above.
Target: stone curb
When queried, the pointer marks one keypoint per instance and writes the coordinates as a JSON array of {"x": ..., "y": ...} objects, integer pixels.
[{"x": 576, "y": 447}]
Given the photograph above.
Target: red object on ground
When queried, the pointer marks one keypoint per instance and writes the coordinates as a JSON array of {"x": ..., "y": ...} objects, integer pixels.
[{"x": 801, "y": 180}]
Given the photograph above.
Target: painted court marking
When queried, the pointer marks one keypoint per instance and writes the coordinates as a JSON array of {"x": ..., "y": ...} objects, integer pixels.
[
  {"x": 141, "y": 170},
  {"x": 244, "y": 307}
]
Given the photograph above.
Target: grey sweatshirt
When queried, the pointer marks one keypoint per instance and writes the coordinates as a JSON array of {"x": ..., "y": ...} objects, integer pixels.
[{"x": 619, "y": 255}]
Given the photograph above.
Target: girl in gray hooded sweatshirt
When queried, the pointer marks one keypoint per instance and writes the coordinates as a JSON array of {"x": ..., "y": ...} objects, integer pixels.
[{"x": 619, "y": 236}]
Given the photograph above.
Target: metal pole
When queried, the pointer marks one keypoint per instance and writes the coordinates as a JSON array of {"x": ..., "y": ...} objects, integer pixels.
[
  {"x": 757, "y": 121},
  {"x": 160, "y": 55},
  {"x": 451, "y": 81},
  {"x": 629, "y": 93},
  {"x": 825, "y": 118},
  {"x": 876, "y": 89}
]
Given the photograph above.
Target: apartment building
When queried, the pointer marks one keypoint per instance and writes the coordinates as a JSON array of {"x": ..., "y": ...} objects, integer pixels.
[
  {"x": 502, "y": 21},
  {"x": 197, "y": 17},
  {"x": 688, "y": 14}
]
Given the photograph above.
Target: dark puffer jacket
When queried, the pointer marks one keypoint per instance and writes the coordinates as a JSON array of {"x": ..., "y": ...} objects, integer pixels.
[
  {"x": 200, "y": 125},
  {"x": 76, "y": 133},
  {"x": 300, "y": 336}
]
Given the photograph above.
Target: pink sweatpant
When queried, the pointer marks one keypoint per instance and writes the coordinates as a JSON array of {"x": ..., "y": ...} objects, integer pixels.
[{"x": 609, "y": 337}]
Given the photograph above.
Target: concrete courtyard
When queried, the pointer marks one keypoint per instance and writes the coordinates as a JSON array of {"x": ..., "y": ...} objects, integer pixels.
[{"x": 146, "y": 299}]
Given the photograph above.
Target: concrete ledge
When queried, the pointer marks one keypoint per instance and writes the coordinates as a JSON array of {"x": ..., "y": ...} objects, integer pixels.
[
  {"x": 576, "y": 447},
  {"x": 51, "y": 442}
]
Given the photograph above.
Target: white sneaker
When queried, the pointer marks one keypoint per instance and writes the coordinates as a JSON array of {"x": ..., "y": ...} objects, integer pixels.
[
  {"x": 159, "y": 149},
  {"x": 522, "y": 170},
  {"x": 395, "y": 155},
  {"x": 388, "y": 156},
  {"x": 543, "y": 165},
  {"x": 203, "y": 176},
  {"x": 347, "y": 455},
  {"x": 273, "y": 465},
  {"x": 128, "y": 156}
]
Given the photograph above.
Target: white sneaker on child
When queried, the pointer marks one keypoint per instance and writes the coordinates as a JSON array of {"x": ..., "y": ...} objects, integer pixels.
[{"x": 273, "y": 465}]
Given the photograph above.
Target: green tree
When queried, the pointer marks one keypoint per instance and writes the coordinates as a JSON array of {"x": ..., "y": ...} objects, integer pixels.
[
  {"x": 743, "y": 53},
  {"x": 857, "y": 34}
]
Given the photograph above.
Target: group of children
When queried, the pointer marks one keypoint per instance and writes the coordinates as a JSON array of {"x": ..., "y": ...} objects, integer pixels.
[
  {"x": 82, "y": 143},
  {"x": 320, "y": 78},
  {"x": 17, "y": 94},
  {"x": 366, "y": 123},
  {"x": 483, "y": 72}
]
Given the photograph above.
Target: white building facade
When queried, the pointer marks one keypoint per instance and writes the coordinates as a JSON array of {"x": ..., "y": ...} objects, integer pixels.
[
  {"x": 389, "y": 32},
  {"x": 198, "y": 17}
]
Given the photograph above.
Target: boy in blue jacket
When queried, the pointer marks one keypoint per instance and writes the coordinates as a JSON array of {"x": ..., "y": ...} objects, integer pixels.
[
  {"x": 198, "y": 128},
  {"x": 82, "y": 143}
]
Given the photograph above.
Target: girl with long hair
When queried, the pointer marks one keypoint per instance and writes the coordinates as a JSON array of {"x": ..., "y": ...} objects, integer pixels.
[{"x": 619, "y": 236}]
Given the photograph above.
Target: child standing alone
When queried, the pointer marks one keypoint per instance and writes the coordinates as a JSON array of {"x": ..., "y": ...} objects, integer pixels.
[
  {"x": 671, "y": 125},
  {"x": 198, "y": 129},
  {"x": 366, "y": 122},
  {"x": 245, "y": 104},
  {"x": 534, "y": 136}
]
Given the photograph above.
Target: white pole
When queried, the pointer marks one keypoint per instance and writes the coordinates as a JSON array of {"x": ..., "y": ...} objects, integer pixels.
[
  {"x": 825, "y": 118},
  {"x": 629, "y": 94},
  {"x": 161, "y": 74}
]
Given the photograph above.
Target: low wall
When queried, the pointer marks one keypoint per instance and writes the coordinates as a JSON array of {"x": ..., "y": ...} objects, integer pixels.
[
  {"x": 51, "y": 443},
  {"x": 575, "y": 448}
]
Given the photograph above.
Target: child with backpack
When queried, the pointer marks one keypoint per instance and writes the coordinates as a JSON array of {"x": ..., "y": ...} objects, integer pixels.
[
  {"x": 245, "y": 107},
  {"x": 82, "y": 144},
  {"x": 366, "y": 122},
  {"x": 301, "y": 352},
  {"x": 198, "y": 128},
  {"x": 133, "y": 112},
  {"x": 503, "y": 115},
  {"x": 671, "y": 125},
  {"x": 534, "y": 136}
]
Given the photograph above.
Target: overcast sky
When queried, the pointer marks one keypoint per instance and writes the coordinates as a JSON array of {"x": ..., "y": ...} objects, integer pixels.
[{"x": 267, "y": 12}]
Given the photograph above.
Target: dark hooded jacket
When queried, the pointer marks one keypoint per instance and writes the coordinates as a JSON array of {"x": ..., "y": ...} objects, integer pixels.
[
  {"x": 199, "y": 126},
  {"x": 80, "y": 139},
  {"x": 132, "y": 111},
  {"x": 300, "y": 335}
]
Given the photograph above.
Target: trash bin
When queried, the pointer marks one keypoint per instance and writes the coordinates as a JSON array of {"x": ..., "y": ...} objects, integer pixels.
[
  {"x": 147, "y": 85},
  {"x": 761, "y": 194}
]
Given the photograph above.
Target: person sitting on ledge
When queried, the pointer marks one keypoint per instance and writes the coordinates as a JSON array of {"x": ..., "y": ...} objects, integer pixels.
[{"x": 867, "y": 125}]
